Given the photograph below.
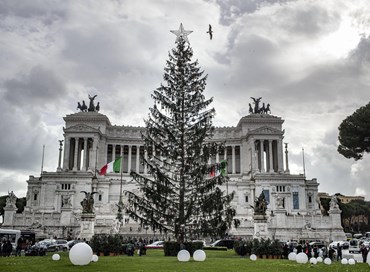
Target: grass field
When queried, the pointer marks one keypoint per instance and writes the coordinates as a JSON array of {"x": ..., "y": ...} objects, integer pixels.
[{"x": 155, "y": 261}]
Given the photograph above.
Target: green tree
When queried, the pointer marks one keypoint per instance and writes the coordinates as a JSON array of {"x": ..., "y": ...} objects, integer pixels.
[
  {"x": 179, "y": 197},
  {"x": 354, "y": 134}
]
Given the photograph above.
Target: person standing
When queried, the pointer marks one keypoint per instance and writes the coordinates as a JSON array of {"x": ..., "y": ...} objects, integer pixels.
[
  {"x": 18, "y": 249},
  {"x": 339, "y": 252},
  {"x": 364, "y": 252}
]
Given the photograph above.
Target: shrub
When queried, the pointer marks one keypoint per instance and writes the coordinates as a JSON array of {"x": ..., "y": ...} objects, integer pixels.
[{"x": 172, "y": 248}]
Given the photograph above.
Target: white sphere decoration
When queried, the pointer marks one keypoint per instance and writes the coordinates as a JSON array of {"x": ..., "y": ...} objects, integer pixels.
[
  {"x": 302, "y": 258},
  {"x": 253, "y": 257},
  {"x": 313, "y": 261},
  {"x": 351, "y": 261},
  {"x": 80, "y": 254},
  {"x": 94, "y": 258},
  {"x": 292, "y": 256},
  {"x": 183, "y": 255},
  {"x": 344, "y": 261},
  {"x": 319, "y": 259},
  {"x": 327, "y": 261},
  {"x": 55, "y": 257},
  {"x": 199, "y": 255}
]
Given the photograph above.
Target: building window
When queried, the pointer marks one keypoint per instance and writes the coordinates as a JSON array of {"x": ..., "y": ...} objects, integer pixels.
[
  {"x": 100, "y": 197},
  {"x": 310, "y": 199},
  {"x": 295, "y": 201},
  {"x": 35, "y": 197},
  {"x": 66, "y": 186},
  {"x": 280, "y": 188},
  {"x": 246, "y": 198},
  {"x": 267, "y": 196}
]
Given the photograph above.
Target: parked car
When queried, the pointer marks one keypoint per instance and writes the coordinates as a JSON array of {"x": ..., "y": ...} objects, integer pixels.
[
  {"x": 157, "y": 244},
  {"x": 200, "y": 241},
  {"x": 223, "y": 243},
  {"x": 71, "y": 243},
  {"x": 343, "y": 244},
  {"x": 58, "y": 245},
  {"x": 318, "y": 244},
  {"x": 35, "y": 250}
]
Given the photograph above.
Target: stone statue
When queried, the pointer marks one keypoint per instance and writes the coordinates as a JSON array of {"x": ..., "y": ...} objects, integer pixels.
[
  {"x": 88, "y": 202},
  {"x": 82, "y": 107},
  {"x": 250, "y": 108},
  {"x": 256, "y": 104},
  {"x": 116, "y": 225},
  {"x": 334, "y": 203},
  {"x": 260, "y": 205},
  {"x": 267, "y": 109},
  {"x": 91, "y": 105},
  {"x": 11, "y": 200},
  {"x": 263, "y": 110},
  {"x": 279, "y": 202},
  {"x": 66, "y": 201}
]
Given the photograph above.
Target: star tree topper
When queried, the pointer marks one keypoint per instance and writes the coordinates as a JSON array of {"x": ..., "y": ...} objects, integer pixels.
[{"x": 181, "y": 33}]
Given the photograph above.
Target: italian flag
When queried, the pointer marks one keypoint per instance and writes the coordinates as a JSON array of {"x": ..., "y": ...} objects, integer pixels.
[{"x": 113, "y": 166}]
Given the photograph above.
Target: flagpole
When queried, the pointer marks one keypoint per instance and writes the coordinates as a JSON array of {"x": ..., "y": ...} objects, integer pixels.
[
  {"x": 304, "y": 167},
  {"x": 42, "y": 159}
]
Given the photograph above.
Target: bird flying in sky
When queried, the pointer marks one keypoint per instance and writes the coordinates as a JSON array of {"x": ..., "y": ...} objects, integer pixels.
[{"x": 210, "y": 32}]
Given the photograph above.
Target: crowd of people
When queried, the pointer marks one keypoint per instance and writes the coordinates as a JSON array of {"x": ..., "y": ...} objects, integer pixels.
[{"x": 333, "y": 252}]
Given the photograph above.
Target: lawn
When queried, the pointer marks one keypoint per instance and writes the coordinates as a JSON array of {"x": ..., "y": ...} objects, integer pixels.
[{"x": 155, "y": 261}]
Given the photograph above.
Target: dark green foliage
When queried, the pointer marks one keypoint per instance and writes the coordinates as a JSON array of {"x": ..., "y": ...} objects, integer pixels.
[
  {"x": 243, "y": 248},
  {"x": 2, "y": 204},
  {"x": 102, "y": 243},
  {"x": 353, "y": 215},
  {"x": 172, "y": 248},
  {"x": 259, "y": 247},
  {"x": 178, "y": 197},
  {"x": 354, "y": 134},
  {"x": 20, "y": 203}
]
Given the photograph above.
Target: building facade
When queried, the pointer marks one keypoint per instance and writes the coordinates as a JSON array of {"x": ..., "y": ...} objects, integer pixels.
[{"x": 257, "y": 162}]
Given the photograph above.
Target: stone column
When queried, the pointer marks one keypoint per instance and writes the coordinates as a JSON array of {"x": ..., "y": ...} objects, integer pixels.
[
  {"x": 217, "y": 156},
  {"x": 60, "y": 156},
  {"x": 75, "y": 155},
  {"x": 146, "y": 158},
  {"x": 271, "y": 168},
  {"x": 262, "y": 157},
  {"x": 93, "y": 154},
  {"x": 137, "y": 158},
  {"x": 233, "y": 159},
  {"x": 85, "y": 154},
  {"x": 280, "y": 155},
  {"x": 67, "y": 147},
  {"x": 286, "y": 159},
  {"x": 129, "y": 158},
  {"x": 113, "y": 152}
]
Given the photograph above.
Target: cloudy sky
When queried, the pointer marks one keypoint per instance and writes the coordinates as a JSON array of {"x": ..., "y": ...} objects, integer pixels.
[{"x": 309, "y": 59}]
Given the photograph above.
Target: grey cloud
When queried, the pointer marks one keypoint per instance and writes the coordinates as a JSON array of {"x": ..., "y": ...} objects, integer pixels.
[
  {"x": 39, "y": 86},
  {"x": 308, "y": 20},
  {"x": 230, "y": 10}
]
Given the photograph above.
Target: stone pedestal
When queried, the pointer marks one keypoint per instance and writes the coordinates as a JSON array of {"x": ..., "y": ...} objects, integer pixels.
[
  {"x": 65, "y": 216},
  {"x": 87, "y": 226},
  {"x": 9, "y": 213},
  {"x": 260, "y": 227},
  {"x": 280, "y": 215}
]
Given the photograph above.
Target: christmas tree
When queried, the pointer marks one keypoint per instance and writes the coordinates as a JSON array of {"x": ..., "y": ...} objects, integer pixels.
[{"x": 179, "y": 196}]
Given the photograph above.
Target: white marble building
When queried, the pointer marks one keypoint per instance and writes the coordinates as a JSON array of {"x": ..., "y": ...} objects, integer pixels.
[{"x": 257, "y": 162}]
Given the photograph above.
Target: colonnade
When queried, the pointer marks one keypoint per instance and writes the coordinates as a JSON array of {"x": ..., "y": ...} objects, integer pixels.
[
  {"x": 132, "y": 153},
  {"x": 79, "y": 153},
  {"x": 268, "y": 155}
]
